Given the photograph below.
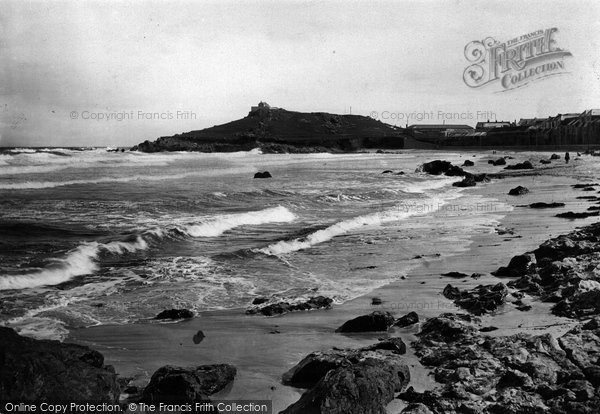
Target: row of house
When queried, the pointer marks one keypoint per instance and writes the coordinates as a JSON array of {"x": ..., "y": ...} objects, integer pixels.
[{"x": 572, "y": 129}]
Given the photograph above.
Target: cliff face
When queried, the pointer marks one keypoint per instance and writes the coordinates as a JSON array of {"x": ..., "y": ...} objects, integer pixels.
[{"x": 278, "y": 130}]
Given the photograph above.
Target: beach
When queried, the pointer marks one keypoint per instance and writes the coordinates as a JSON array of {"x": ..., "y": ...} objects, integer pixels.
[{"x": 474, "y": 230}]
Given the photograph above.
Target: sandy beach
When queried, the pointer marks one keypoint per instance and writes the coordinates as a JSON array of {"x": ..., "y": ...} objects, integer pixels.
[{"x": 263, "y": 348}]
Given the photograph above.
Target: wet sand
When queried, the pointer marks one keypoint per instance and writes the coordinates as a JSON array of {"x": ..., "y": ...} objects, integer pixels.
[{"x": 264, "y": 348}]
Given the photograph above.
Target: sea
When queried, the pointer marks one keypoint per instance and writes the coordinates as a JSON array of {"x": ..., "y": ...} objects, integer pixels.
[{"x": 91, "y": 237}]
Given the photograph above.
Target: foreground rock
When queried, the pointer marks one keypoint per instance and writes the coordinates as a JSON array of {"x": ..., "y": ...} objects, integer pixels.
[
  {"x": 316, "y": 365},
  {"x": 176, "y": 384},
  {"x": 366, "y": 387},
  {"x": 175, "y": 314},
  {"x": 374, "y": 322},
  {"x": 546, "y": 205},
  {"x": 361, "y": 380},
  {"x": 512, "y": 374},
  {"x": 34, "y": 370},
  {"x": 279, "y": 308},
  {"x": 479, "y": 300},
  {"x": 562, "y": 270},
  {"x": 572, "y": 215}
]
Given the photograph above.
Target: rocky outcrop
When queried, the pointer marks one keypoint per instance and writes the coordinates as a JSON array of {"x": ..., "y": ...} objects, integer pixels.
[
  {"x": 526, "y": 165},
  {"x": 175, "y": 314},
  {"x": 468, "y": 163},
  {"x": 439, "y": 167},
  {"x": 479, "y": 300},
  {"x": 508, "y": 374},
  {"x": 279, "y": 308},
  {"x": 499, "y": 161},
  {"x": 316, "y": 365},
  {"x": 176, "y": 384},
  {"x": 374, "y": 322},
  {"x": 42, "y": 370},
  {"x": 517, "y": 191},
  {"x": 365, "y": 387},
  {"x": 519, "y": 265}
]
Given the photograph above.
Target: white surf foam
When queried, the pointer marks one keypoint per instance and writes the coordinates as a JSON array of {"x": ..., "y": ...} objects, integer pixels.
[
  {"x": 80, "y": 261},
  {"x": 346, "y": 226},
  {"x": 215, "y": 226}
]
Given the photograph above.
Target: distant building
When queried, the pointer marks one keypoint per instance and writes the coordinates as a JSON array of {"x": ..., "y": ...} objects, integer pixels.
[
  {"x": 486, "y": 126},
  {"x": 437, "y": 131},
  {"x": 262, "y": 105}
]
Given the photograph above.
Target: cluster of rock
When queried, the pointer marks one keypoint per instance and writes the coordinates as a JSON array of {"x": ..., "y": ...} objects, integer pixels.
[
  {"x": 439, "y": 167},
  {"x": 511, "y": 374},
  {"x": 263, "y": 307},
  {"x": 479, "y": 300}
]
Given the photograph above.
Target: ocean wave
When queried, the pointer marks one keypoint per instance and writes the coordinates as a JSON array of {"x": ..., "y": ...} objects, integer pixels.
[
  {"x": 78, "y": 262},
  {"x": 31, "y": 185},
  {"x": 216, "y": 226},
  {"x": 346, "y": 226}
]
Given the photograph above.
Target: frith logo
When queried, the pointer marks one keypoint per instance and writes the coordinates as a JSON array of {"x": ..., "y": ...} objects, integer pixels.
[{"x": 516, "y": 62}]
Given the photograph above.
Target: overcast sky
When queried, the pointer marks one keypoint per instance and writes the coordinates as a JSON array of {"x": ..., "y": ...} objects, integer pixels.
[{"x": 64, "y": 60}]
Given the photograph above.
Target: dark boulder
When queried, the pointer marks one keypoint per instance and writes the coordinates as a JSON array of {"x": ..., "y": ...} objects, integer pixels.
[
  {"x": 455, "y": 275},
  {"x": 499, "y": 161},
  {"x": 387, "y": 172},
  {"x": 407, "y": 320},
  {"x": 175, "y": 314},
  {"x": 264, "y": 174},
  {"x": 468, "y": 163},
  {"x": 436, "y": 167},
  {"x": 517, "y": 191},
  {"x": 448, "y": 327},
  {"x": 519, "y": 265},
  {"x": 572, "y": 215},
  {"x": 546, "y": 205},
  {"x": 374, "y": 322},
  {"x": 366, "y": 387},
  {"x": 259, "y": 300},
  {"x": 43, "y": 370},
  {"x": 468, "y": 181},
  {"x": 279, "y": 308},
  {"x": 555, "y": 157},
  {"x": 526, "y": 165},
  {"x": 545, "y": 161},
  {"x": 176, "y": 384}
]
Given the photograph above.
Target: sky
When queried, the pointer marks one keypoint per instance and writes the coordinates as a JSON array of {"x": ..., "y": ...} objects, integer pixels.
[{"x": 115, "y": 73}]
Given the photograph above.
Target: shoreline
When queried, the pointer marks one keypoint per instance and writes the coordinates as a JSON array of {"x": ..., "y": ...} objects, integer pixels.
[{"x": 137, "y": 350}]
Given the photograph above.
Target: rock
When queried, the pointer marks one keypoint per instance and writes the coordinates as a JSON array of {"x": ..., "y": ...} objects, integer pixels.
[
  {"x": 416, "y": 408},
  {"x": 584, "y": 185},
  {"x": 468, "y": 181},
  {"x": 456, "y": 275},
  {"x": 546, "y": 205},
  {"x": 387, "y": 172},
  {"x": 264, "y": 174},
  {"x": 468, "y": 163},
  {"x": 176, "y": 384},
  {"x": 488, "y": 329},
  {"x": 555, "y": 157},
  {"x": 519, "y": 265},
  {"x": 499, "y": 161},
  {"x": 259, "y": 301},
  {"x": 572, "y": 215},
  {"x": 545, "y": 161},
  {"x": 479, "y": 300},
  {"x": 448, "y": 327},
  {"x": 374, "y": 322},
  {"x": 400, "y": 173},
  {"x": 175, "y": 314},
  {"x": 366, "y": 387},
  {"x": 439, "y": 167},
  {"x": 198, "y": 337},
  {"x": 407, "y": 320},
  {"x": 51, "y": 371},
  {"x": 526, "y": 165},
  {"x": 524, "y": 308},
  {"x": 316, "y": 365},
  {"x": 376, "y": 301},
  {"x": 517, "y": 191},
  {"x": 580, "y": 304},
  {"x": 279, "y": 308}
]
